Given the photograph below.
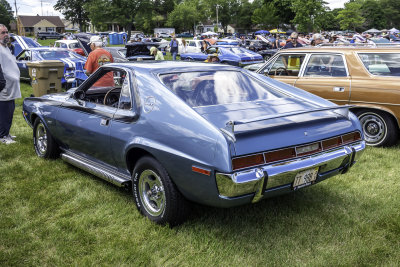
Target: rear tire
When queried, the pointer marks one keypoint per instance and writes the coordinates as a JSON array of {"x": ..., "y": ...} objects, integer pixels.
[
  {"x": 43, "y": 142},
  {"x": 379, "y": 128},
  {"x": 155, "y": 195}
]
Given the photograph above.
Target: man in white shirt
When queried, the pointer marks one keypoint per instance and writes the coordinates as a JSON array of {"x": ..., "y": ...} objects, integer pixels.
[{"x": 11, "y": 90}]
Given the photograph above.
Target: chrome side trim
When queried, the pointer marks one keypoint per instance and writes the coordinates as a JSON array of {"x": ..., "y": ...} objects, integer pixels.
[
  {"x": 118, "y": 179},
  {"x": 259, "y": 180}
]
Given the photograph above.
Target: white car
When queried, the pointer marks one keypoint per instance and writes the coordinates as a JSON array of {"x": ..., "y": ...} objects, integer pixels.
[
  {"x": 194, "y": 46},
  {"x": 72, "y": 45},
  {"x": 164, "y": 35}
]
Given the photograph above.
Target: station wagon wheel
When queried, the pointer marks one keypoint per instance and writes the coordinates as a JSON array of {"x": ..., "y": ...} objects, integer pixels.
[
  {"x": 379, "y": 128},
  {"x": 156, "y": 196},
  {"x": 43, "y": 142}
]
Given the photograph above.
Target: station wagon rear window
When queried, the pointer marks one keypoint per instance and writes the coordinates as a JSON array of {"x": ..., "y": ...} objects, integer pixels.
[
  {"x": 217, "y": 87},
  {"x": 381, "y": 64}
]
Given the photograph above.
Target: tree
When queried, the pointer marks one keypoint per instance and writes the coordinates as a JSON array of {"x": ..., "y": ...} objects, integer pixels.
[
  {"x": 371, "y": 10},
  {"x": 185, "y": 16},
  {"x": 6, "y": 13},
  {"x": 306, "y": 13},
  {"x": 349, "y": 17},
  {"x": 266, "y": 16},
  {"x": 73, "y": 11},
  {"x": 391, "y": 9}
]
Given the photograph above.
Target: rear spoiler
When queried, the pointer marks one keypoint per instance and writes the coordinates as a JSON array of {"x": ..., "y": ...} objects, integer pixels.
[{"x": 230, "y": 125}]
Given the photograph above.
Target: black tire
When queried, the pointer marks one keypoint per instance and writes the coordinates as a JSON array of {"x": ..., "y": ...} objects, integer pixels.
[
  {"x": 155, "y": 195},
  {"x": 379, "y": 128},
  {"x": 43, "y": 142}
]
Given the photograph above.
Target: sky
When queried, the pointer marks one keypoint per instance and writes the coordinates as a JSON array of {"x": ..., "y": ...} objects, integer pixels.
[{"x": 34, "y": 7}]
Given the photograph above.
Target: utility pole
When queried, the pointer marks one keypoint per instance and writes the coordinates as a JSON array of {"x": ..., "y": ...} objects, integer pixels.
[
  {"x": 16, "y": 15},
  {"x": 217, "y": 6},
  {"x": 41, "y": 6}
]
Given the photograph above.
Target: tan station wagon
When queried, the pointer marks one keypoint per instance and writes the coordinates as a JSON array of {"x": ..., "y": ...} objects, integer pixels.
[{"x": 368, "y": 78}]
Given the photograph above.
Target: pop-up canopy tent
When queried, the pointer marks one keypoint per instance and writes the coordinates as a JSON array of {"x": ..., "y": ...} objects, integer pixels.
[
  {"x": 373, "y": 31},
  {"x": 209, "y": 33},
  {"x": 394, "y": 30},
  {"x": 262, "y": 32},
  {"x": 276, "y": 31}
]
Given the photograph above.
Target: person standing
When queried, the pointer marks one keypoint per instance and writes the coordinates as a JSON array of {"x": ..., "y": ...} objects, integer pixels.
[
  {"x": 99, "y": 57},
  {"x": 293, "y": 41},
  {"x": 11, "y": 90},
  {"x": 174, "y": 47},
  {"x": 184, "y": 46}
]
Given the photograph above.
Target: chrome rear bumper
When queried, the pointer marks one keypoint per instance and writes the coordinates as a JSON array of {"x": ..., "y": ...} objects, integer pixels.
[{"x": 278, "y": 178}]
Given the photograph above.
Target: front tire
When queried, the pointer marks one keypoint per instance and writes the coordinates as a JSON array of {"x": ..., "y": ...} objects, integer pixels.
[
  {"x": 155, "y": 195},
  {"x": 43, "y": 142},
  {"x": 379, "y": 127}
]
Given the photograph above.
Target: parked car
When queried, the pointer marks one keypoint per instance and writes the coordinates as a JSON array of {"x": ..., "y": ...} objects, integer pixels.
[
  {"x": 72, "y": 45},
  {"x": 164, "y": 35},
  {"x": 232, "y": 55},
  {"x": 141, "y": 50},
  {"x": 365, "y": 77},
  {"x": 74, "y": 73},
  {"x": 185, "y": 35},
  {"x": 118, "y": 53},
  {"x": 21, "y": 42},
  {"x": 49, "y": 35},
  {"x": 209, "y": 133},
  {"x": 194, "y": 46}
]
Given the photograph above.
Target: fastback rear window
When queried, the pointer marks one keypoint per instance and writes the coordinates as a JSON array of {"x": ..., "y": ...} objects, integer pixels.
[
  {"x": 381, "y": 64},
  {"x": 217, "y": 87}
]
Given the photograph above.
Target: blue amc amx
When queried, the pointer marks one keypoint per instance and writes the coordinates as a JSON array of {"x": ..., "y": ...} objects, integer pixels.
[
  {"x": 209, "y": 133},
  {"x": 229, "y": 54},
  {"x": 74, "y": 74}
]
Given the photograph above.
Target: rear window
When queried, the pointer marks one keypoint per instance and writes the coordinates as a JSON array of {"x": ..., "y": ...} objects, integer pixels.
[
  {"x": 217, "y": 87},
  {"x": 381, "y": 64}
]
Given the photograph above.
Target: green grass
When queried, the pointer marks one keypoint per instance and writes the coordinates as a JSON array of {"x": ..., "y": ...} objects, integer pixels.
[{"x": 53, "y": 214}]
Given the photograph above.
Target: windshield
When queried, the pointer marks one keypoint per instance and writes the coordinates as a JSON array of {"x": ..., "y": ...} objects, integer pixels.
[
  {"x": 54, "y": 54},
  {"x": 217, "y": 87},
  {"x": 382, "y": 64}
]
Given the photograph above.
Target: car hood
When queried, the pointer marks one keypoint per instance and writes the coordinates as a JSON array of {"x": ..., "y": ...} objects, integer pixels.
[
  {"x": 275, "y": 133},
  {"x": 22, "y": 43}
]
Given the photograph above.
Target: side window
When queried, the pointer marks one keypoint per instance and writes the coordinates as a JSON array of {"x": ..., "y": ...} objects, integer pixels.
[
  {"x": 285, "y": 65},
  {"x": 63, "y": 45},
  {"x": 125, "y": 98},
  {"x": 25, "y": 56},
  {"x": 325, "y": 66},
  {"x": 191, "y": 43}
]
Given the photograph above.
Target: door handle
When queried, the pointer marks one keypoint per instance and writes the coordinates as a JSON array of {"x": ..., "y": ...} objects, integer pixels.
[
  {"x": 338, "y": 89},
  {"x": 104, "y": 122}
]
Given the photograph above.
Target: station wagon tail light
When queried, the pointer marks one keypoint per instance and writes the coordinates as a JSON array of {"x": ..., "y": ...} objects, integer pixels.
[
  {"x": 351, "y": 137},
  {"x": 282, "y": 154},
  {"x": 247, "y": 161}
]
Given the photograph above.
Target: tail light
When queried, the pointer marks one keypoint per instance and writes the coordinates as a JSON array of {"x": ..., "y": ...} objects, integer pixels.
[
  {"x": 294, "y": 152},
  {"x": 247, "y": 161},
  {"x": 351, "y": 137}
]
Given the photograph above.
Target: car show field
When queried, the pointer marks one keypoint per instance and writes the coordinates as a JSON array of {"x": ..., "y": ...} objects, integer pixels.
[{"x": 54, "y": 214}]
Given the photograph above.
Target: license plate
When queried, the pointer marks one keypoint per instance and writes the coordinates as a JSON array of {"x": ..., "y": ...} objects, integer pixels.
[{"x": 305, "y": 178}]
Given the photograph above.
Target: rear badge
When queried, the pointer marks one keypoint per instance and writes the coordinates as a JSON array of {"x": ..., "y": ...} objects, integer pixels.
[{"x": 149, "y": 104}]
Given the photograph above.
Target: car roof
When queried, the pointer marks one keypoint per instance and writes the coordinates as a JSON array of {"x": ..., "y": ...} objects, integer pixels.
[
  {"x": 164, "y": 66},
  {"x": 66, "y": 41},
  {"x": 343, "y": 48},
  {"x": 46, "y": 48}
]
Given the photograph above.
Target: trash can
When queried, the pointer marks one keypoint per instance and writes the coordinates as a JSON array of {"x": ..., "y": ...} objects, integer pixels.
[{"x": 46, "y": 76}]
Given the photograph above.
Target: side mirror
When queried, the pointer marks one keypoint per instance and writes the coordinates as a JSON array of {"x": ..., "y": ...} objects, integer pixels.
[{"x": 79, "y": 95}]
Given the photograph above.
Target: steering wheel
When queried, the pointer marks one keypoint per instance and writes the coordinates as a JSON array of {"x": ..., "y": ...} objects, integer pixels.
[
  {"x": 107, "y": 100},
  {"x": 281, "y": 70}
]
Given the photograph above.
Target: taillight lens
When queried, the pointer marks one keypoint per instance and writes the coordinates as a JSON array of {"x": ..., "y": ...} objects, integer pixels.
[
  {"x": 280, "y": 154},
  {"x": 247, "y": 161},
  {"x": 308, "y": 149},
  {"x": 331, "y": 143},
  {"x": 351, "y": 137}
]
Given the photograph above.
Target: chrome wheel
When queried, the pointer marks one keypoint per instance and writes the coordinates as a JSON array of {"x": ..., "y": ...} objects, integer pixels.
[
  {"x": 374, "y": 128},
  {"x": 152, "y": 192},
  {"x": 41, "y": 139}
]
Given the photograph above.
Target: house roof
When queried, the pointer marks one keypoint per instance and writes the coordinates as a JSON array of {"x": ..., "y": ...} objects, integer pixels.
[{"x": 29, "y": 21}]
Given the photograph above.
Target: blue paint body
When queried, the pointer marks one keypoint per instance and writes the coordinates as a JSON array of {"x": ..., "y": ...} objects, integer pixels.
[
  {"x": 180, "y": 136},
  {"x": 230, "y": 54}
]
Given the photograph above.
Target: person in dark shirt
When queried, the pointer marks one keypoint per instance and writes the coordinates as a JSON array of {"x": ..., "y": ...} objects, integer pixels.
[
  {"x": 2, "y": 80},
  {"x": 293, "y": 41}
]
